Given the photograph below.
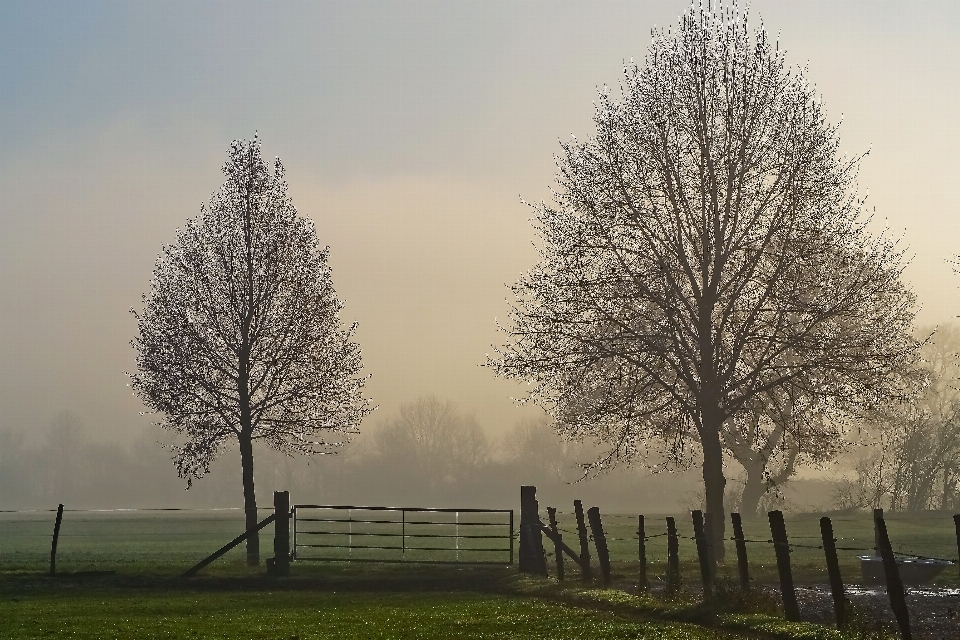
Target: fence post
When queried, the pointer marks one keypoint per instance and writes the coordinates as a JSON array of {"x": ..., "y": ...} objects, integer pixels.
[
  {"x": 281, "y": 534},
  {"x": 742, "y": 567},
  {"x": 642, "y": 551},
  {"x": 56, "y": 537},
  {"x": 552, "y": 514},
  {"x": 877, "y": 513},
  {"x": 956, "y": 524},
  {"x": 833, "y": 570},
  {"x": 708, "y": 525},
  {"x": 673, "y": 557},
  {"x": 599, "y": 539},
  {"x": 778, "y": 531},
  {"x": 703, "y": 554},
  {"x": 898, "y": 601},
  {"x": 532, "y": 557},
  {"x": 584, "y": 541}
]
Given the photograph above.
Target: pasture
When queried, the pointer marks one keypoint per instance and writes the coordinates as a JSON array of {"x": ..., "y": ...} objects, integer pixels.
[{"x": 118, "y": 577}]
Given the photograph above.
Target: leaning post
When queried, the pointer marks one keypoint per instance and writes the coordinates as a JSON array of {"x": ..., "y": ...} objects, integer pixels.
[
  {"x": 584, "y": 541},
  {"x": 600, "y": 539},
  {"x": 956, "y": 524},
  {"x": 743, "y": 568},
  {"x": 833, "y": 570},
  {"x": 898, "y": 600},
  {"x": 778, "y": 531},
  {"x": 56, "y": 538}
]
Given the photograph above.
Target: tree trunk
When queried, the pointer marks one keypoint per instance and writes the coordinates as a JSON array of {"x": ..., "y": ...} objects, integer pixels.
[
  {"x": 249, "y": 499},
  {"x": 753, "y": 490},
  {"x": 714, "y": 481}
]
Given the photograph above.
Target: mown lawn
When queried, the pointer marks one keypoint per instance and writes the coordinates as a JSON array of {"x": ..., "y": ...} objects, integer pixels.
[{"x": 289, "y": 615}]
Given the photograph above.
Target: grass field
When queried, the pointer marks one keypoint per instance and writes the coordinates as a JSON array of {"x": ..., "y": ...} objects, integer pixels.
[
  {"x": 119, "y": 579},
  {"x": 312, "y": 614},
  {"x": 168, "y": 542}
]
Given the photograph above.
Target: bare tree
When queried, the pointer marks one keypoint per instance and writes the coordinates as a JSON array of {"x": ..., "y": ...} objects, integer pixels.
[
  {"x": 240, "y": 338},
  {"x": 431, "y": 444},
  {"x": 776, "y": 433},
  {"x": 705, "y": 247},
  {"x": 914, "y": 461}
]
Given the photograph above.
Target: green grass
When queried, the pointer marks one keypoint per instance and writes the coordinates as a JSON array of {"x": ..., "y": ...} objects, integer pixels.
[
  {"x": 169, "y": 542},
  {"x": 110, "y": 612}
]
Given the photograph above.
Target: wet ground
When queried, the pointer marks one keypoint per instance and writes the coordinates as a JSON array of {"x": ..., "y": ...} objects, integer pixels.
[{"x": 934, "y": 612}]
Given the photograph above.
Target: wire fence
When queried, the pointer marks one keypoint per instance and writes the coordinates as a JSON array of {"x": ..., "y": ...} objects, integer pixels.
[
  {"x": 112, "y": 539},
  {"x": 927, "y": 536},
  {"x": 168, "y": 540}
]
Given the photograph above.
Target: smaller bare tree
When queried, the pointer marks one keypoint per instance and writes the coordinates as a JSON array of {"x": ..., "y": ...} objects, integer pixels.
[{"x": 240, "y": 338}]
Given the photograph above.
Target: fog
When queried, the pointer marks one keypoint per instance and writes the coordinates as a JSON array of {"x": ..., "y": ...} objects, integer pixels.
[{"x": 410, "y": 132}]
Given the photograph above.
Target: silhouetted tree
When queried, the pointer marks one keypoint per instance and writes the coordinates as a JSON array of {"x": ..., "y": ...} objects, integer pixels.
[
  {"x": 914, "y": 463},
  {"x": 429, "y": 445},
  {"x": 239, "y": 337},
  {"x": 774, "y": 434},
  {"x": 705, "y": 247}
]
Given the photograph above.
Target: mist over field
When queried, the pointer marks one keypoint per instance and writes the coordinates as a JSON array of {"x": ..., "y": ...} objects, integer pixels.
[{"x": 410, "y": 132}]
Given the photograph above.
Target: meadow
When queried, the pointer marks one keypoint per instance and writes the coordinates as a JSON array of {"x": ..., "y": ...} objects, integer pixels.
[
  {"x": 169, "y": 542},
  {"x": 118, "y": 577}
]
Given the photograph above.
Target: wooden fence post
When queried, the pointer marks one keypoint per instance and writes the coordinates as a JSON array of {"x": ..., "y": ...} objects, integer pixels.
[
  {"x": 642, "y": 552},
  {"x": 708, "y": 525},
  {"x": 56, "y": 537},
  {"x": 673, "y": 557},
  {"x": 532, "y": 557},
  {"x": 956, "y": 524},
  {"x": 281, "y": 534},
  {"x": 833, "y": 570},
  {"x": 584, "y": 541},
  {"x": 778, "y": 531},
  {"x": 877, "y": 513},
  {"x": 599, "y": 539},
  {"x": 552, "y": 514},
  {"x": 898, "y": 601},
  {"x": 703, "y": 553},
  {"x": 742, "y": 567}
]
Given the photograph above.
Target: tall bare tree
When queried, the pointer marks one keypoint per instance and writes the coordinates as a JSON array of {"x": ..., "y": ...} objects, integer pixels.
[
  {"x": 705, "y": 247},
  {"x": 239, "y": 337}
]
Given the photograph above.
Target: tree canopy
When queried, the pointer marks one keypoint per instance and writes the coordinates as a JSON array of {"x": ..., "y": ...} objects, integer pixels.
[{"x": 704, "y": 248}]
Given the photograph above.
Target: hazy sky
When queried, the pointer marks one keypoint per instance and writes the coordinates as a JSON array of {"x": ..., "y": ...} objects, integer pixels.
[{"x": 410, "y": 131}]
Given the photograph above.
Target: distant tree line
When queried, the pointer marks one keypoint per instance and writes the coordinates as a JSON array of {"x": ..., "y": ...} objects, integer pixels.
[{"x": 428, "y": 453}]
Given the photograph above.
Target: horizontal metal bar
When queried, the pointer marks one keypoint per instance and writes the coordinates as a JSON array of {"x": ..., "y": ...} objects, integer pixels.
[
  {"x": 462, "y": 524},
  {"x": 349, "y": 533},
  {"x": 466, "y": 562},
  {"x": 402, "y": 535},
  {"x": 354, "y": 520},
  {"x": 340, "y": 546},
  {"x": 302, "y": 519},
  {"x": 435, "y": 510},
  {"x": 408, "y": 549}
]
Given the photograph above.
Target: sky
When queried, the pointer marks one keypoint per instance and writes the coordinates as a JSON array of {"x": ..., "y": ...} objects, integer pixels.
[{"x": 412, "y": 133}]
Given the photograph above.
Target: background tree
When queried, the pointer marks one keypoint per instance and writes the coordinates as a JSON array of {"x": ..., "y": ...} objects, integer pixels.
[
  {"x": 913, "y": 463},
  {"x": 430, "y": 445},
  {"x": 775, "y": 434},
  {"x": 705, "y": 247},
  {"x": 239, "y": 338}
]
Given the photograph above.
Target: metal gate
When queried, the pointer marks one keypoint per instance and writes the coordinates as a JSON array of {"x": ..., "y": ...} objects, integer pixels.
[{"x": 402, "y": 534}]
